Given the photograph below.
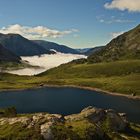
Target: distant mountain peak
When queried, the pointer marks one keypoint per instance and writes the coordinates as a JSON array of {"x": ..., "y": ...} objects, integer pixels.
[{"x": 21, "y": 46}]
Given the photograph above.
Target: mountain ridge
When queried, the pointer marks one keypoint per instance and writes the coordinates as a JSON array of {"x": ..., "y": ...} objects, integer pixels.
[
  {"x": 21, "y": 46},
  {"x": 51, "y": 45},
  {"x": 88, "y": 51},
  {"x": 125, "y": 46}
]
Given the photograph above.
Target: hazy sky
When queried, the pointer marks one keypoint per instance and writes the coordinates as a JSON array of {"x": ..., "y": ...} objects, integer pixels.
[{"x": 76, "y": 23}]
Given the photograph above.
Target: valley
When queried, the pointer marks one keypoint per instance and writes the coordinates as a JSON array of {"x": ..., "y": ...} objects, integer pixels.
[
  {"x": 111, "y": 77},
  {"x": 44, "y": 62},
  {"x": 45, "y": 85}
]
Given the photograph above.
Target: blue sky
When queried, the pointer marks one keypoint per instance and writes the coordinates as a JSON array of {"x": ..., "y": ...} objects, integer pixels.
[{"x": 76, "y": 23}]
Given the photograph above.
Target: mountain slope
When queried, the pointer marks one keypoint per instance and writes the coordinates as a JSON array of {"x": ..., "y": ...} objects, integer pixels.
[
  {"x": 8, "y": 56},
  {"x": 55, "y": 46},
  {"x": 21, "y": 46},
  {"x": 125, "y": 46},
  {"x": 83, "y": 50},
  {"x": 121, "y": 74},
  {"x": 93, "y": 50}
]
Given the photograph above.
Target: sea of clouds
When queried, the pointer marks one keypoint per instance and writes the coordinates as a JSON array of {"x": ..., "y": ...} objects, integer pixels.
[{"x": 45, "y": 62}]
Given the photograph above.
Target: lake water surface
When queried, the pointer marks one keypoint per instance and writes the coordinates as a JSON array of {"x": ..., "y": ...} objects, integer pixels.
[{"x": 67, "y": 101}]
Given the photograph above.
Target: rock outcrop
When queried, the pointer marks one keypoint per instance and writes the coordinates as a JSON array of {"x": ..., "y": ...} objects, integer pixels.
[
  {"x": 97, "y": 115},
  {"x": 90, "y": 123}
]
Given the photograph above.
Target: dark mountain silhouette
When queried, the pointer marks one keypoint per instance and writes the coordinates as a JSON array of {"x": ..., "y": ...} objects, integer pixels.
[
  {"x": 21, "y": 46},
  {"x": 55, "y": 46},
  {"x": 8, "y": 56}
]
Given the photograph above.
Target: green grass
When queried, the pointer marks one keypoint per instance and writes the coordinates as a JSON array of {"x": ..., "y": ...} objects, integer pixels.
[
  {"x": 75, "y": 130},
  {"x": 87, "y": 130},
  {"x": 69, "y": 130},
  {"x": 8, "y": 112},
  {"x": 14, "y": 65},
  {"x": 83, "y": 128},
  {"x": 119, "y": 76},
  {"x": 18, "y": 131},
  {"x": 118, "y": 68}
]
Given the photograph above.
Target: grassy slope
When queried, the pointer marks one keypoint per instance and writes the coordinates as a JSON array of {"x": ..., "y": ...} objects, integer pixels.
[
  {"x": 123, "y": 47},
  {"x": 119, "y": 76},
  {"x": 15, "y": 66}
]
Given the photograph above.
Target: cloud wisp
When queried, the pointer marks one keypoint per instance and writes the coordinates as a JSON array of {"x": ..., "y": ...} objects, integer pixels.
[
  {"x": 115, "y": 21},
  {"x": 130, "y": 5},
  {"x": 38, "y": 32},
  {"x": 115, "y": 34}
]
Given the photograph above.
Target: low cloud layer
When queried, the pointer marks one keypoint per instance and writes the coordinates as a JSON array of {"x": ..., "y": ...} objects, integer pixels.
[
  {"x": 38, "y": 32},
  {"x": 130, "y": 5},
  {"x": 45, "y": 62}
]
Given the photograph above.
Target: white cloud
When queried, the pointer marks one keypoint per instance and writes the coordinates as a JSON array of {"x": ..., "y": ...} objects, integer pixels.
[
  {"x": 38, "y": 32},
  {"x": 102, "y": 20},
  {"x": 46, "y": 62},
  {"x": 130, "y": 5},
  {"x": 115, "y": 34},
  {"x": 113, "y": 20}
]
